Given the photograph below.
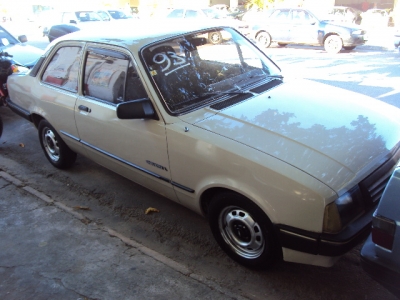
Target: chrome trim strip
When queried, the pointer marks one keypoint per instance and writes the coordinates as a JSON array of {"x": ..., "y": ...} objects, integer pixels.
[
  {"x": 130, "y": 164},
  {"x": 70, "y": 136}
]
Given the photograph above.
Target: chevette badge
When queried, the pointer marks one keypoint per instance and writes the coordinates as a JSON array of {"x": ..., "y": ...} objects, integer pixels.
[{"x": 156, "y": 165}]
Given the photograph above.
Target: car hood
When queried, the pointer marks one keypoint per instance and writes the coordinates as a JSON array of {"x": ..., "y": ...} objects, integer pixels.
[
  {"x": 23, "y": 53},
  {"x": 330, "y": 133},
  {"x": 334, "y": 24}
]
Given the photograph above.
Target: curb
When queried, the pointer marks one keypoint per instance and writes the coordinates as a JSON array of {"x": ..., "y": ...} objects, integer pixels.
[{"x": 178, "y": 267}]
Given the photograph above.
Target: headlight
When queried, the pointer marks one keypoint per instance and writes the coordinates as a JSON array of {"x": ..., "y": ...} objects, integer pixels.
[
  {"x": 342, "y": 211},
  {"x": 357, "y": 31}
]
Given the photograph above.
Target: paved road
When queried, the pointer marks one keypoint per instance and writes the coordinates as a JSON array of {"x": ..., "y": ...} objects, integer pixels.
[{"x": 51, "y": 251}]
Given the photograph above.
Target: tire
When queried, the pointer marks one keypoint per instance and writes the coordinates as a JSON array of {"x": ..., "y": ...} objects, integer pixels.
[
  {"x": 333, "y": 44},
  {"x": 243, "y": 231},
  {"x": 215, "y": 37},
  {"x": 349, "y": 48},
  {"x": 55, "y": 149},
  {"x": 264, "y": 39},
  {"x": 282, "y": 45}
]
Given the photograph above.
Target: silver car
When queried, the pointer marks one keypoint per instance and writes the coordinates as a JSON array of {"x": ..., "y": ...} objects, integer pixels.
[{"x": 380, "y": 255}]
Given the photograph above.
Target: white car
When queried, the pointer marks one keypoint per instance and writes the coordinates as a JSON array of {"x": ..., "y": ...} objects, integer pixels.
[
  {"x": 281, "y": 169},
  {"x": 115, "y": 15}
]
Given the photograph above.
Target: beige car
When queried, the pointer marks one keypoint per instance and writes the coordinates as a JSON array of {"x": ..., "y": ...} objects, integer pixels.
[{"x": 281, "y": 169}]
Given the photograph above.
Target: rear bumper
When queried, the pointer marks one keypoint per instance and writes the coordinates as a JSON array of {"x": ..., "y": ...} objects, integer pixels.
[
  {"x": 386, "y": 274},
  {"x": 326, "y": 244}
]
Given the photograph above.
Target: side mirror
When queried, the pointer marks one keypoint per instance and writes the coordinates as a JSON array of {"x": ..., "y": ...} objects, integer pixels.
[
  {"x": 23, "y": 38},
  {"x": 136, "y": 109}
]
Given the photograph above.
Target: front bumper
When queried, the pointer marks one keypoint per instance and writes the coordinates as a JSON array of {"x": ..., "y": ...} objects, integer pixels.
[
  {"x": 380, "y": 270},
  {"x": 326, "y": 244},
  {"x": 355, "y": 40}
]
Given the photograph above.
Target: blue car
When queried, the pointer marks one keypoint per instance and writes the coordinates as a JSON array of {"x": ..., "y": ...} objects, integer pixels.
[{"x": 380, "y": 255}]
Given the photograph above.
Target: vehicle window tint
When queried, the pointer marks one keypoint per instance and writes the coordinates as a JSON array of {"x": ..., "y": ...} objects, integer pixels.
[
  {"x": 177, "y": 13},
  {"x": 62, "y": 71},
  {"x": 300, "y": 16},
  {"x": 111, "y": 78},
  {"x": 103, "y": 15},
  {"x": 280, "y": 15},
  {"x": 192, "y": 14}
]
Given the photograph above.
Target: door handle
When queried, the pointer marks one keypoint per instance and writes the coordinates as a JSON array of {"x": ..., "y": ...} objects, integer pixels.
[{"x": 84, "y": 108}]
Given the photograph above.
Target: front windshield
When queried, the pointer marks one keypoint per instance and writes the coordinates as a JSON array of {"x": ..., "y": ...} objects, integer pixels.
[{"x": 189, "y": 71}]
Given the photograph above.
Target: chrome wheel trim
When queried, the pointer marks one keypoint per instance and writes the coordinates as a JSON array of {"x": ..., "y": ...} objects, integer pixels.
[
  {"x": 50, "y": 144},
  {"x": 241, "y": 232},
  {"x": 215, "y": 37}
]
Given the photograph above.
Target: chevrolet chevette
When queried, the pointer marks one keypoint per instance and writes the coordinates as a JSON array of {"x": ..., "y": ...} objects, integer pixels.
[{"x": 282, "y": 169}]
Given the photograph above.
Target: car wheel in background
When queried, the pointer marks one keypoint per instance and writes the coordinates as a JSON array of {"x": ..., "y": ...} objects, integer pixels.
[
  {"x": 243, "y": 230},
  {"x": 264, "y": 39},
  {"x": 1, "y": 126},
  {"x": 56, "y": 151},
  {"x": 282, "y": 45},
  {"x": 215, "y": 37},
  {"x": 333, "y": 44},
  {"x": 350, "y": 48}
]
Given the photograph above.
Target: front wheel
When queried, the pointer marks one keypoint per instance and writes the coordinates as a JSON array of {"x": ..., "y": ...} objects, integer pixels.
[
  {"x": 333, "y": 44},
  {"x": 243, "y": 230},
  {"x": 264, "y": 39},
  {"x": 55, "y": 149}
]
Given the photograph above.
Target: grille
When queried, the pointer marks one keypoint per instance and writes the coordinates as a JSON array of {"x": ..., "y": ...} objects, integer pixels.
[
  {"x": 266, "y": 86},
  {"x": 231, "y": 101},
  {"x": 373, "y": 186}
]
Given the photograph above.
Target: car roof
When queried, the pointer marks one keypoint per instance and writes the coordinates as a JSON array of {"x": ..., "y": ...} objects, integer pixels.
[{"x": 147, "y": 32}]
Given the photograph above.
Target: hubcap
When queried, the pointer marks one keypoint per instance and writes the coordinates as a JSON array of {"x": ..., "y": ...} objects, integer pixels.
[
  {"x": 241, "y": 232},
  {"x": 50, "y": 144},
  {"x": 215, "y": 37}
]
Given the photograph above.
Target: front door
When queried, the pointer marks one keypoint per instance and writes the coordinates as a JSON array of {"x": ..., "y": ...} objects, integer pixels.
[
  {"x": 304, "y": 29},
  {"x": 136, "y": 149}
]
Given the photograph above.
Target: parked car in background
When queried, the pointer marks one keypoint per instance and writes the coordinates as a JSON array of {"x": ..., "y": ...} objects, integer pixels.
[
  {"x": 115, "y": 15},
  {"x": 375, "y": 18},
  {"x": 380, "y": 255},
  {"x": 59, "y": 30},
  {"x": 280, "y": 168},
  {"x": 83, "y": 19},
  {"x": 209, "y": 13},
  {"x": 345, "y": 14},
  {"x": 301, "y": 26},
  {"x": 23, "y": 53}
]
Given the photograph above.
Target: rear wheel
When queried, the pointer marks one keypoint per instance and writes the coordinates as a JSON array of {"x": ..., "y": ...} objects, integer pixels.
[
  {"x": 264, "y": 39},
  {"x": 56, "y": 151},
  {"x": 243, "y": 230},
  {"x": 333, "y": 44},
  {"x": 215, "y": 37},
  {"x": 350, "y": 48}
]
